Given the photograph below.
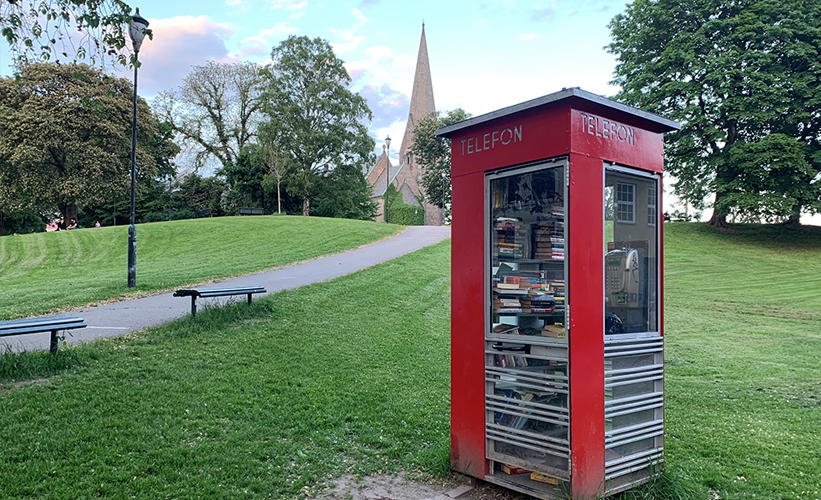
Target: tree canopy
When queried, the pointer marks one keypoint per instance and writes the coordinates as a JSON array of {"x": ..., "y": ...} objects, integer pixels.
[
  {"x": 433, "y": 154},
  {"x": 60, "y": 30},
  {"x": 313, "y": 115},
  {"x": 744, "y": 79},
  {"x": 65, "y": 135},
  {"x": 216, "y": 111}
]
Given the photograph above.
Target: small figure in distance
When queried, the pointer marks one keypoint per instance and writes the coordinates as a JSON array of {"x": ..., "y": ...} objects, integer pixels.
[
  {"x": 73, "y": 224},
  {"x": 61, "y": 226},
  {"x": 666, "y": 216},
  {"x": 97, "y": 224}
]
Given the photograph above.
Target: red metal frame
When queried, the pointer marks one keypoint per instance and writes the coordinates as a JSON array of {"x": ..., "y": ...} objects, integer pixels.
[{"x": 589, "y": 131}]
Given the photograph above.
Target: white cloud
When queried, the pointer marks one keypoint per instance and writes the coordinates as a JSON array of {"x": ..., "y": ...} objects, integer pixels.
[
  {"x": 350, "y": 40},
  {"x": 233, "y": 3},
  {"x": 289, "y": 4},
  {"x": 264, "y": 40},
  {"x": 526, "y": 37},
  {"x": 179, "y": 43}
]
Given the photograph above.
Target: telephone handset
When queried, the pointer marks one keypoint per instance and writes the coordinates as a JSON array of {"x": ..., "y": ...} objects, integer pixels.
[{"x": 622, "y": 277}]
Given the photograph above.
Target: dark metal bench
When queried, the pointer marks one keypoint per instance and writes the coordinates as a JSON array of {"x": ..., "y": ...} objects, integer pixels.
[
  {"x": 251, "y": 211},
  {"x": 216, "y": 292},
  {"x": 51, "y": 324}
]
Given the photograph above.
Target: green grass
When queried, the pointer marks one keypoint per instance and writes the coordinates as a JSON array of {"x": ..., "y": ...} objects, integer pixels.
[
  {"x": 348, "y": 376},
  {"x": 351, "y": 376},
  {"x": 743, "y": 347},
  {"x": 45, "y": 272}
]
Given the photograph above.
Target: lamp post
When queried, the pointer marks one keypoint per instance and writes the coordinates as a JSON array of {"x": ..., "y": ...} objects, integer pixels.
[
  {"x": 444, "y": 182},
  {"x": 137, "y": 32},
  {"x": 387, "y": 175}
]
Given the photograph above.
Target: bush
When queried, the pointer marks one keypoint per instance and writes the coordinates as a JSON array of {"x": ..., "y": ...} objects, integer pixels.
[
  {"x": 23, "y": 223},
  {"x": 407, "y": 215}
]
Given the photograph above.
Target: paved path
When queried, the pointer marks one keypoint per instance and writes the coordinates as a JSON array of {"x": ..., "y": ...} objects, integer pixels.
[{"x": 122, "y": 317}]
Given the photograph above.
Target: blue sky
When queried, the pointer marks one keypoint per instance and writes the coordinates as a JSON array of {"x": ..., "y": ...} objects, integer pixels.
[{"x": 484, "y": 54}]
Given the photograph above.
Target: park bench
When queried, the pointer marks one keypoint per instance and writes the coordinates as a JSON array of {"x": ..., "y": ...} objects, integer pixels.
[
  {"x": 43, "y": 324},
  {"x": 216, "y": 292},
  {"x": 251, "y": 211}
]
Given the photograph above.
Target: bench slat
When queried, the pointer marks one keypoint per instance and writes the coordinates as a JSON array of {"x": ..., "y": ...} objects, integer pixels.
[{"x": 41, "y": 325}]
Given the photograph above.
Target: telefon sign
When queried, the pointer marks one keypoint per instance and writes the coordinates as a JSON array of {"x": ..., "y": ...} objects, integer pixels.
[
  {"x": 491, "y": 140},
  {"x": 608, "y": 129}
]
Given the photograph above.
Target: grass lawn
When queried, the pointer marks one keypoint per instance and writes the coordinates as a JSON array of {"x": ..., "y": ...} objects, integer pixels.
[
  {"x": 348, "y": 376},
  {"x": 44, "y": 272},
  {"x": 743, "y": 360},
  {"x": 351, "y": 376}
]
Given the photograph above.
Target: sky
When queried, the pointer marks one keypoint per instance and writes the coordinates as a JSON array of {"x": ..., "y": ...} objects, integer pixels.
[{"x": 484, "y": 54}]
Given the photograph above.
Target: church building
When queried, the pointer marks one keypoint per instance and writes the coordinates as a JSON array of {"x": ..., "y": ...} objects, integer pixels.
[{"x": 406, "y": 177}]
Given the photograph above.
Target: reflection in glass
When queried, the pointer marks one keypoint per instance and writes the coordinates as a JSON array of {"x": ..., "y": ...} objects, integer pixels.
[{"x": 631, "y": 254}]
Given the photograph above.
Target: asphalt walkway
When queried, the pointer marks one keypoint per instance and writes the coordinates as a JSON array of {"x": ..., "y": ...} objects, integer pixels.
[{"x": 120, "y": 318}]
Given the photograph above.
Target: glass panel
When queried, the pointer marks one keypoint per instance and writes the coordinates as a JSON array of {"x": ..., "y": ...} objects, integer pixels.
[
  {"x": 527, "y": 415},
  {"x": 631, "y": 254},
  {"x": 527, "y": 254}
]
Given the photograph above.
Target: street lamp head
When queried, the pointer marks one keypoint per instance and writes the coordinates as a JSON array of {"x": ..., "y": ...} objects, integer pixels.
[
  {"x": 388, "y": 141},
  {"x": 137, "y": 30}
]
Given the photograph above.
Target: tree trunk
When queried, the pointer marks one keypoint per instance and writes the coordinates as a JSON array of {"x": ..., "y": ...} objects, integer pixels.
[
  {"x": 718, "y": 220},
  {"x": 2, "y": 223},
  {"x": 793, "y": 221},
  {"x": 306, "y": 205},
  {"x": 279, "y": 198}
]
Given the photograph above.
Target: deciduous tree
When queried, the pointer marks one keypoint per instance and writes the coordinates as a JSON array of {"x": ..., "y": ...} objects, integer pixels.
[
  {"x": 59, "y": 30},
  {"x": 216, "y": 111},
  {"x": 314, "y": 117},
  {"x": 65, "y": 138},
  {"x": 743, "y": 79},
  {"x": 433, "y": 153}
]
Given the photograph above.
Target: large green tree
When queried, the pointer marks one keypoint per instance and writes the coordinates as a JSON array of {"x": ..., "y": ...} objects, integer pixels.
[
  {"x": 744, "y": 79},
  {"x": 314, "y": 117},
  {"x": 65, "y": 138},
  {"x": 433, "y": 154}
]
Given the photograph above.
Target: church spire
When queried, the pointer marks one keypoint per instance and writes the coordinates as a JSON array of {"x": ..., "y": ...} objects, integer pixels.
[{"x": 421, "y": 103}]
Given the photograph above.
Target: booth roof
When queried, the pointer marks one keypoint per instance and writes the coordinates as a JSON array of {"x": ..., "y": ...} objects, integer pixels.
[{"x": 664, "y": 124}]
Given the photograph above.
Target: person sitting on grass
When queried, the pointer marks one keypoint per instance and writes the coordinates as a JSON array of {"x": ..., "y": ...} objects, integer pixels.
[
  {"x": 61, "y": 226},
  {"x": 73, "y": 224}
]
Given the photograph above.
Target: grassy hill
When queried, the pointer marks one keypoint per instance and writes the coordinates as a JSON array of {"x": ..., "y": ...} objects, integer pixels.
[
  {"x": 352, "y": 376},
  {"x": 50, "y": 271},
  {"x": 743, "y": 344}
]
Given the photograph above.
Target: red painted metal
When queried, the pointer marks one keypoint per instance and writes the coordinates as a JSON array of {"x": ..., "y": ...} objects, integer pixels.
[
  {"x": 588, "y": 132},
  {"x": 467, "y": 326},
  {"x": 585, "y": 243}
]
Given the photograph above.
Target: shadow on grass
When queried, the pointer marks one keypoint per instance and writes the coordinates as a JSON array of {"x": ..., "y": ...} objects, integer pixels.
[
  {"x": 213, "y": 318},
  {"x": 30, "y": 365}
]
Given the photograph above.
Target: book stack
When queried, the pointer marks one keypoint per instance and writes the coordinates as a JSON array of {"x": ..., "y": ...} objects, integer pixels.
[
  {"x": 557, "y": 287},
  {"x": 506, "y": 304},
  {"x": 556, "y": 331},
  {"x": 542, "y": 236},
  {"x": 509, "y": 238},
  {"x": 541, "y": 302},
  {"x": 548, "y": 247}
]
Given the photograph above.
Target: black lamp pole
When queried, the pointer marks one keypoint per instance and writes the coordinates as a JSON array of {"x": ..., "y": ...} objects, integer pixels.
[
  {"x": 387, "y": 176},
  {"x": 136, "y": 30}
]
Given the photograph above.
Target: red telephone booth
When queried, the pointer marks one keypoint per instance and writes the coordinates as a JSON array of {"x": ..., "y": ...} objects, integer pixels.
[{"x": 556, "y": 329}]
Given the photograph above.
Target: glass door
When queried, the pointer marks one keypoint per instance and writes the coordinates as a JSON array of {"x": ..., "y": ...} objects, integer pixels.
[
  {"x": 633, "y": 347},
  {"x": 526, "y": 358}
]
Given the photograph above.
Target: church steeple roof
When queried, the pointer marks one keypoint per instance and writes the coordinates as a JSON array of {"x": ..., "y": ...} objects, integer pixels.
[{"x": 421, "y": 103}]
